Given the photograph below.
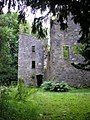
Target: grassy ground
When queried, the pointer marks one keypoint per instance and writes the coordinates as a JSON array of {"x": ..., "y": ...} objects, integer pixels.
[
  {"x": 65, "y": 106},
  {"x": 73, "y": 105}
]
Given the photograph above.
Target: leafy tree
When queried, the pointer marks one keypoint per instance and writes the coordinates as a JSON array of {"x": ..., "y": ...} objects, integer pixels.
[
  {"x": 9, "y": 29},
  {"x": 24, "y": 28}
]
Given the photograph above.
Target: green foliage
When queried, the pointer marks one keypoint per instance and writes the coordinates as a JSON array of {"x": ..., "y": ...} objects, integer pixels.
[
  {"x": 61, "y": 87},
  {"x": 9, "y": 29},
  {"x": 4, "y": 94},
  {"x": 57, "y": 87},
  {"x": 21, "y": 91},
  {"x": 45, "y": 105},
  {"x": 38, "y": 30},
  {"x": 11, "y": 109},
  {"x": 75, "y": 49},
  {"x": 66, "y": 52},
  {"x": 86, "y": 49},
  {"x": 24, "y": 28},
  {"x": 47, "y": 85},
  {"x": 78, "y": 49},
  {"x": 64, "y": 106},
  {"x": 4, "y": 97}
]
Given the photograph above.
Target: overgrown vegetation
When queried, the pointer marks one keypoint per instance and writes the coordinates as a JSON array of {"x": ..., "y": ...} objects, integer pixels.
[
  {"x": 66, "y": 52},
  {"x": 40, "y": 105},
  {"x": 9, "y": 29},
  {"x": 78, "y": 49},
  {"x": 14, "y": 104},
  {"x": 24, "y": 28},
  {"x": 57, "y": 87}
]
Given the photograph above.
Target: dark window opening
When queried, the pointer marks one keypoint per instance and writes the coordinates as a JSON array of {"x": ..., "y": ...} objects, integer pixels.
[
  {"x": 33, "y": 48},
  {"x": 33, "y": 64}
]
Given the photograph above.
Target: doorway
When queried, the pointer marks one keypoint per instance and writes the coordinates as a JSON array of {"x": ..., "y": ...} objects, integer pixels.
[{"x": 39, "y": 79}]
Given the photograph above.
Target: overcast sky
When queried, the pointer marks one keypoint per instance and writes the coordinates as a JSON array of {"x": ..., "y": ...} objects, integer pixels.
[{"x": 30, "y": 16}]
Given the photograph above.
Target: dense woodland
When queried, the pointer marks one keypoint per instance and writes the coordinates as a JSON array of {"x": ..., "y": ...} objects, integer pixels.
[{"x": 9, "y": 28}]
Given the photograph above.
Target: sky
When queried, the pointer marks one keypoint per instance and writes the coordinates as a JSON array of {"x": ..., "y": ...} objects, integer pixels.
[{"x": 30, "y": 17}]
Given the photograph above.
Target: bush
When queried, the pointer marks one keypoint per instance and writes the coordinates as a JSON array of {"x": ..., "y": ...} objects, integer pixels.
[
  {"x": 17, "y": 107},
  {"x": 4, "y": 94},
  {"x": 47, "y": 85},
  {"x": 4, "y": 97},
  {"x": 57, "y": 87},
  {"x": 21, "y": 91},
  {"x": 62, "y": 87}
]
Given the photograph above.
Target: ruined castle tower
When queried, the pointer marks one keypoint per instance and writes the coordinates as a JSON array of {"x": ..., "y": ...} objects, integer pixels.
[
  {"x": 63, "y": 52},
  {"x": 30, "y": 60}
]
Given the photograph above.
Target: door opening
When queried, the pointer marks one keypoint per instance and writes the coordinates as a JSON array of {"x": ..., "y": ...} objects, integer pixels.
[{"x": 39, "y": 79}]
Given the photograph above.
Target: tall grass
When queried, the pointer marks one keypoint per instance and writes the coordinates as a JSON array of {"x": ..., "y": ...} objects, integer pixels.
[
  {"x": 14, "y": 106},
  {"x": 26, "y": 103}
]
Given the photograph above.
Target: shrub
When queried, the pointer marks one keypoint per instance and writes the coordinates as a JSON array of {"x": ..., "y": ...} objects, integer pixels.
[
  {"x": 11, "y": 109},
  {"x": 21, "y": 91},
  {"x": 47, "y": 85},
  {"x": 4, "y": 97},
  {"x": 64, "y": 87},
  {"x": 57, "y": 87},
  {"x": 4, "y": 94}
]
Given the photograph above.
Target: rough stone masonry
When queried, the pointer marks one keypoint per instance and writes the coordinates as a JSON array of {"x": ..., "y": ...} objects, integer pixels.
[
  {"x": 60, "y": 57},
  {"x": 30, "y": 60},
  {"x": 60, "y": 69}
]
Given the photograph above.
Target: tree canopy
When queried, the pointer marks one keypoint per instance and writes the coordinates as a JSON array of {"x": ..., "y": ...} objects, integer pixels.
[{"x": 9, "y": 29}]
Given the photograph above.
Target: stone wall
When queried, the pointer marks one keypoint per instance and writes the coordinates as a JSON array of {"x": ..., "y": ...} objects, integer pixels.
[
  {"x": 61, "y": 69},
  {"x": 26, "y": 56}
]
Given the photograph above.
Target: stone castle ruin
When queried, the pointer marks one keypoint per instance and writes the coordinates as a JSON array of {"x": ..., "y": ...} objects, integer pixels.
[
  {"x": 30, "y": 60},
  {"x": 63, "y": 51}
]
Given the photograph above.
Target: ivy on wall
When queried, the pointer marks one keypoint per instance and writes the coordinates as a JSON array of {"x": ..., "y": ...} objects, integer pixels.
[
  {"x": 75, "y": 49},
  {"x": 66, "y": 52},
  {"x": 78, "y": 48}
]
